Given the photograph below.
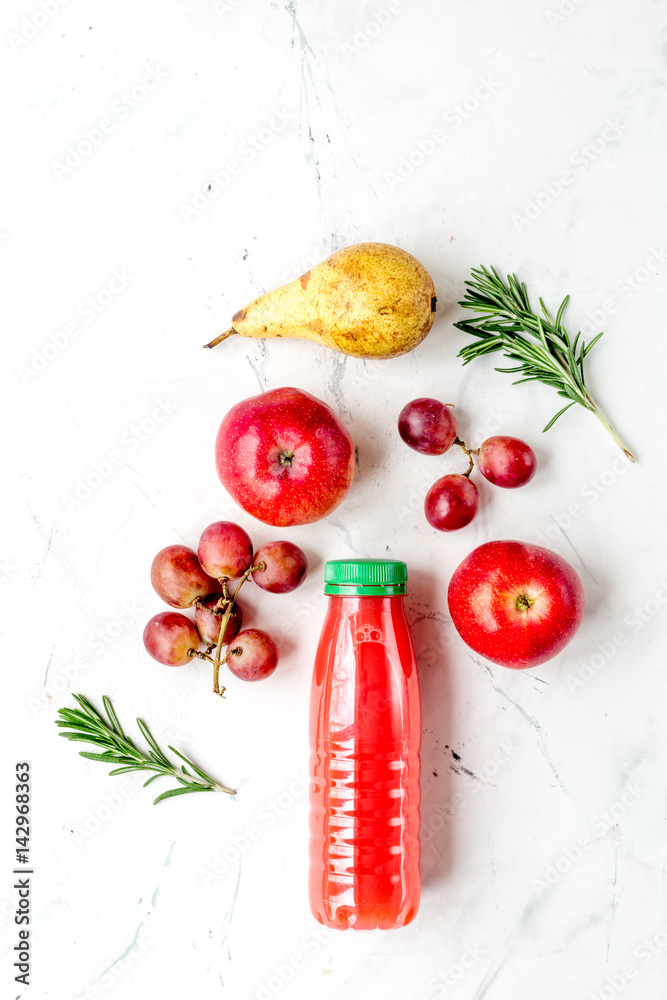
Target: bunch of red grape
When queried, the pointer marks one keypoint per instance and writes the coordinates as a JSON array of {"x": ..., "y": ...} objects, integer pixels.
[
  {"x": 184, "y": 578},
  {"x": 430, "y": 427}
]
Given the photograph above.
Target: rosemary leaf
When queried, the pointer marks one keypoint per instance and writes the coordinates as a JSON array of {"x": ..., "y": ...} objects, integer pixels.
[
  {"x": 201, "y": 774},
  {"x": 179, "y": 791},
  {"x": 506, "y": 322},
  {"x": 554, "y": 419},
  {"x": 87, "y": 725}
]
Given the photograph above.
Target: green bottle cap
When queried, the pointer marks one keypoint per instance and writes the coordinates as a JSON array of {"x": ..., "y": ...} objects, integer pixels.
[{"x": 365, "y": 576}]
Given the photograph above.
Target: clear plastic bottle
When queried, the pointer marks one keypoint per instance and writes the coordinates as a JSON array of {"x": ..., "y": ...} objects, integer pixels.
[{"x": 365, "y": 737}]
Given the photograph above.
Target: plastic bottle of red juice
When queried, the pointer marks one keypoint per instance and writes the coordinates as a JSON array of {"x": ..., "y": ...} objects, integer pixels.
[{"x": 365, "y": 736}]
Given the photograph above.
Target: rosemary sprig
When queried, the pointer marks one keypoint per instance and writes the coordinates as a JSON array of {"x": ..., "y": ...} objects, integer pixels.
[
  {"x": 540, "y": 345},
  {"x": 88, "y": 725}
]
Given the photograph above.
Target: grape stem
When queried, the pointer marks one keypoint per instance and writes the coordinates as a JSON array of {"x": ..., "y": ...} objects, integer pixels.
[
  {"x": 198, "y": 653},
  {"x": 469, "y": 452},
  {"x": 217, "y": 659}
]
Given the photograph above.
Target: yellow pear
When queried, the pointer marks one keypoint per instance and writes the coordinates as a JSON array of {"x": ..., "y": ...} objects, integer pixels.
[{"x": 370, "y": 300}]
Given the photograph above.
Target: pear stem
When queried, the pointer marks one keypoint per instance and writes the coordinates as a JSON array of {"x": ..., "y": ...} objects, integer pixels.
[{"x": 223, "y": 336}]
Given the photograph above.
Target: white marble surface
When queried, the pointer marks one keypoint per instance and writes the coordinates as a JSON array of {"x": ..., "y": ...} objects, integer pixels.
[{"x": 527, "y": 135}]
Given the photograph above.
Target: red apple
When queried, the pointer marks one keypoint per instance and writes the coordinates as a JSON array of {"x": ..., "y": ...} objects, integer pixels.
[
  {"x": 285, "y": 457},
  {"x": 515, "y": 604}
]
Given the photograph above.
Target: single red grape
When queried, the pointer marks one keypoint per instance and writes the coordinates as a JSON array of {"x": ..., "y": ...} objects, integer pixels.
[
  {"x": 506, "y": 461},
  {"x": 282, "y": 567},
  {"x": 178, "y": 578},
  {"x": 451, "y": 502},
  {"x": 209, "y": 624},
  {"x": 254, "y": 656},
  {"x": 428, "y": 426},
  {"x": 168, "y": 637},
  {"x": 225, "y": 550}
]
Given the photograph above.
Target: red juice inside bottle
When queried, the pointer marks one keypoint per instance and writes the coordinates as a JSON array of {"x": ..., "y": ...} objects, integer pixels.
[{"x": 365, "y": 737}]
